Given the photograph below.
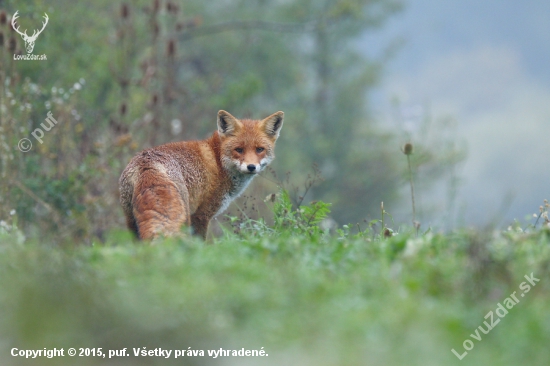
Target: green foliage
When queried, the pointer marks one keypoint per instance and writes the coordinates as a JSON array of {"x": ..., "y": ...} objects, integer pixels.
[
  {"x": 304, "y": 219},
  {"x": 290, "y": 293},
  {"x": 287, "y": 219}
]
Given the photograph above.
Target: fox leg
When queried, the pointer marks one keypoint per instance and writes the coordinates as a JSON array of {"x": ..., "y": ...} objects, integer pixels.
[
  {"x": 131, "y": 223},
  {"x": 159, "y": 207},
  {"x": 126, "y": 192},
  {"x": 200, "y": 222}
]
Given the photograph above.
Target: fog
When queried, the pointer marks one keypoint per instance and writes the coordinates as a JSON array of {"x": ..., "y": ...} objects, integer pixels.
[{"x": 486, "y": 65}]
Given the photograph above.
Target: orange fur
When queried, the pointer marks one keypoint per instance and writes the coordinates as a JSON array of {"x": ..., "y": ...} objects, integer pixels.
[{"x": 189, "y": 182}]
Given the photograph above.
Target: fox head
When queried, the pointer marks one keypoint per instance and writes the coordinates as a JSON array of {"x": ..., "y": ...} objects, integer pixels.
[{"x": 248, "y": 146}]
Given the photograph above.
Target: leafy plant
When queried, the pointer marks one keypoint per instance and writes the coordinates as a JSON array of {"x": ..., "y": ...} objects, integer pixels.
[{"x": 303, "y": 219}]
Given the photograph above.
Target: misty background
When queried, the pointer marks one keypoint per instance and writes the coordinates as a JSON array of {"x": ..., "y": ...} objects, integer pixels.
[{"x": 485, "y": 64}]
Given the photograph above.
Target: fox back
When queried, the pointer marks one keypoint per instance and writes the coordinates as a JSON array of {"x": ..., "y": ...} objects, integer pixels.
[{"x": 189, "y": 182}]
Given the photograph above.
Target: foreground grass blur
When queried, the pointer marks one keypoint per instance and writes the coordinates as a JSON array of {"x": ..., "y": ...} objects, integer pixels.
[{"x": 307, "y": 299}]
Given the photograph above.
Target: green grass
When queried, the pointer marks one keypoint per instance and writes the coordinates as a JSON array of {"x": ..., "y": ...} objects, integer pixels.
[{"x": 308, "y": 300}]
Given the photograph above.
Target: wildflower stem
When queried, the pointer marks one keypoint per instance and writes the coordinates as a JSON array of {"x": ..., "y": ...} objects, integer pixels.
[
  {"x": 412, "y": 188},
  {"x": 382, "y": 212},
  {"x": 537, "y": 221}
]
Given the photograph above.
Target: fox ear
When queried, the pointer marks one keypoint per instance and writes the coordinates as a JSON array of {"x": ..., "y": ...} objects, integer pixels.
[
  {"x": 272, "y": 125},
  {"x": 227, "y": 124}
]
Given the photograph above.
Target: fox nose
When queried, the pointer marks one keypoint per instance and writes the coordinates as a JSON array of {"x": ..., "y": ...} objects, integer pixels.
[{"x": 251, "y": 167}]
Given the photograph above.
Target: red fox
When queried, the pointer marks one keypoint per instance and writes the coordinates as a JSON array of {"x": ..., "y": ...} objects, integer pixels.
[{"x": 189, "y": 182}]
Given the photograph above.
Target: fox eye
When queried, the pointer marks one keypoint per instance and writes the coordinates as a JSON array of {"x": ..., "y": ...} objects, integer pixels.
[
  {"x": 259, "y": 149},
  {"x": 239, "y": 150}
]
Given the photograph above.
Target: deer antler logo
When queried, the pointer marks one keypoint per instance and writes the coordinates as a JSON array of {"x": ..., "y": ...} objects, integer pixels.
[{"x": 29, "y": 40}]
